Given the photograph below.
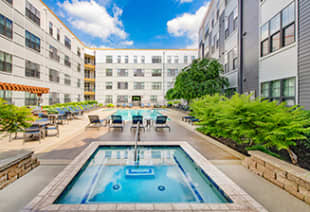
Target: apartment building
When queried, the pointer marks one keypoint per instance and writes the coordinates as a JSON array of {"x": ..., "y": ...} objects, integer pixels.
[
  {"x": 218, "y": 36},
  {"x": 272, "y": 55},
  {"x": 37, "y": 50},
  {"x": 138, "y": 75}
]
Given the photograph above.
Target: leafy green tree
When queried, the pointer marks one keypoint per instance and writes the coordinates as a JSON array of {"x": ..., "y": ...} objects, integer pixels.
[
  {"x": 14, "y": 119},
  {"x": 202, "y": 77},
  {"x": 172, "y": 94}
]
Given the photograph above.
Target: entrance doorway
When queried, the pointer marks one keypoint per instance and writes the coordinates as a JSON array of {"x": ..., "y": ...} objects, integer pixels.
[{"x": 136, "y": 100}]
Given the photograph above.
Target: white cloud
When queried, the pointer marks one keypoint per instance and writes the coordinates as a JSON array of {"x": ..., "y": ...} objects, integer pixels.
[
  {"x": 184, "y": 1},
  {"x": 127, "y": 43},
  {"x": 93, "y": 19},
  {"x": 187, "y": 25}
]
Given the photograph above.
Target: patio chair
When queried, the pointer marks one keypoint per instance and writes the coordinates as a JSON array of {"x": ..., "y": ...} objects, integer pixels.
[
  {"x": 186, "y": 118},
  {"x": 135, "y": 120},
  {"x": 32, "y": 132},
  {"x": 116, "y": 122},
  {"x": 161, "y": 123},
  {"x": 52, "y": 127},
  {"x": 94, "y": 121}
]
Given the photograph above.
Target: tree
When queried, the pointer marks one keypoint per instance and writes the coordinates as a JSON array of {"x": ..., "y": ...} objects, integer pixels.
[
  {"x": 202, "y": 77},
  {"x": 172, "y": 94},
  {"x": 14, "y": 119}
]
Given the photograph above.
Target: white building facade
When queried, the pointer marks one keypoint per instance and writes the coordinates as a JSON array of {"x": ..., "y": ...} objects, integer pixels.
[
  {"x": 138, "y": 76},
  {"x": 37, "y": 49}
]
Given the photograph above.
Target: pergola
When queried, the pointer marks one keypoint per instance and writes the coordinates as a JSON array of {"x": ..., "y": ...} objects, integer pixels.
[{"x": 25, "y": 88}]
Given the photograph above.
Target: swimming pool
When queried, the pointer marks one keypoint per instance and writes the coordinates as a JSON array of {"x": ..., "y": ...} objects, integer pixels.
[
  {"x": 162, "y": 174},
  {"x": 148, "y": 113}
]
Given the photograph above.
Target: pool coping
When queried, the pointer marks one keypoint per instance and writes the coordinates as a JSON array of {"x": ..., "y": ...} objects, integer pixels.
[{"x": 241, "y": 201}]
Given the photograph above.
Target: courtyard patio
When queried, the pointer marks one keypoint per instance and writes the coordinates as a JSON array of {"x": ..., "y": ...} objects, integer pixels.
[{"x": 55, "y": 154}]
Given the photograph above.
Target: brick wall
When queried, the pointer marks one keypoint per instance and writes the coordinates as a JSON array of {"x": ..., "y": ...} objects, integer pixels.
[
  {"x": 293, "y": 179},
  {"x": 17, "y": 170}
]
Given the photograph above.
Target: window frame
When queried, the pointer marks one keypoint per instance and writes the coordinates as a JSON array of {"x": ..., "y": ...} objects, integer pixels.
[{"x": 7, "y": 31}]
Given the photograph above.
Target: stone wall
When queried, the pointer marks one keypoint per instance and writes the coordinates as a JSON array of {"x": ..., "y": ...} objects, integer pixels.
[
  {"x": 13, "y": 168},
  {"x": 293, "y": 179}
]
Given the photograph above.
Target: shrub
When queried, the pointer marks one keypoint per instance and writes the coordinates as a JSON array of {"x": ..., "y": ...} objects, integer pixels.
[
  {"x": 254, "y": 122},
  {"x": 110, "y": 105}
]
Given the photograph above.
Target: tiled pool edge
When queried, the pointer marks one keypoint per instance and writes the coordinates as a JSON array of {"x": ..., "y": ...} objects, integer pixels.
[{"x": 241, "y": 200}]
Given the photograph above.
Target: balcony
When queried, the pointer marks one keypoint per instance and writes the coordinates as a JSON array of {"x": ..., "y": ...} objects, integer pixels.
[
  {"x": 89, "y": 79},
  {"x": 90, "y": 66},
  {"x": 90, "y": 93}
]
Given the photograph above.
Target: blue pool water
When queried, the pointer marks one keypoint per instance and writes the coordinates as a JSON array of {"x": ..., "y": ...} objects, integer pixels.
[
  {"x": 127, "y": 114},
  {"x": 163, "y": 174}
]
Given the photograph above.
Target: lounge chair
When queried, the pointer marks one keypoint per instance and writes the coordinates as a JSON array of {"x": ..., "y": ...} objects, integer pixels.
[
  {"x": 116, "y": 122},
  {"x": 142, "y": 105},
  {"x": 186, "y": 118},
  {"x": 130, "y": 105},
  {"x": 148, "y": 105},
  {"x": 135, "y": 120},
  {"x": 161, "y": 122},
  {"x": 95, "y": 121}
]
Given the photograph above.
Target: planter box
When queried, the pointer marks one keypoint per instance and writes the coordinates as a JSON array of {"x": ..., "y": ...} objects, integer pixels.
[
  {"x": 14, "y": 165},
  {"x": 289, "y": 177}
]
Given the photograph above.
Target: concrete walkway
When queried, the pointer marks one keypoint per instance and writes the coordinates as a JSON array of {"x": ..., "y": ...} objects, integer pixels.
[{"x": 55, "y": 158}]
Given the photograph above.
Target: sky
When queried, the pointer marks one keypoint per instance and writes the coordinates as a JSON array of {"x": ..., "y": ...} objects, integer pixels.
[{"x": 146, "y": 24}]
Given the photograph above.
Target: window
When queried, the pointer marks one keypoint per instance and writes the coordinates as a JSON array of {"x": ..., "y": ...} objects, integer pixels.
[
  {"x": 264, "y": 47},
  {"x": 5, "y": 62},
  {"x": 108, "y": 72},
  {"x": 122, "y": 85},
  {"x": 230, "y": 60},
  {"x": 122, "y": 99},
  {"x": 169, "y": 59},
  {"x": 235, "y": 63},
  {"x": 276, "y": 89},
  {"x": 58, "y": 34},
  {"x": 172, "y": 72},
  {"x": 6, "y": 27},
  {"x": 79, "y": 98},
  {"x": 78, "y": 51},
  {"x": 67, "y": 98},
  {"x": 156, "y": 59},
  {"x": 135, "y": 59},
  {"x": 156, "y": 73},
  {"x": 67, "y": 42},
  {"x": 126, "y": 59},
  {"x": 9, "y": 1},
  {"x": 275, "y": 42},
  {"x": 32, "y": 13},
  {"x": 78, "y": 83},
  {"x": 33, "y": 41},
  {"x": 193, "y": 58},
  {"x": 118, "y": 59},
  {"x": 67, "y": 80},
  {"x": 89, "y": 87},
  {"x": 31, "y": 99},
  {"x": 138, "y": 73},
  {"x": 142, "y": 59},
  {"x": 185, "y": 60},
  {"x": 122, "y": 72},
  {"x": 156, "y": 85},
  {"x": 6, "y": 95},
  {"x": 109, "y": 59},
  {"x": 176, "y": 59},
  {"x": 235, "y": 21},
  {"x": 67, "y": 61},
  {"x": 108, "y": 85},
  {"x": 265, "y": 89},
  {"x": 53, "y": 53},
  {"x": 51, "y": 28},
  {"x": 153, "y": 99},
  {"x": 138, "y": 85},
  {"x": 170, "y": 85},
  {"x": 53, "y": 98},
  {"x": 54, "y": 76},
  {"x": 283, "y": 90},
  {"x": 108, "y": 99},
  {"x": 32, "y": 70},
  {"x": 78, "y": 67},
  {"x": 288, "y": 24}
]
